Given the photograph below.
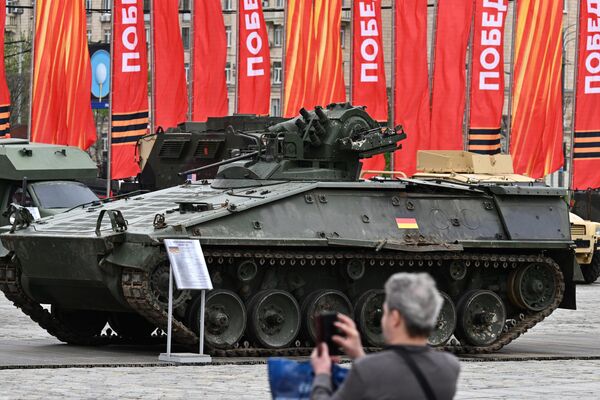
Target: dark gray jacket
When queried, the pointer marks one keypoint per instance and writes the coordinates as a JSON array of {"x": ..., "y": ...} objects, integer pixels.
[{"x": 385, "y": 375}]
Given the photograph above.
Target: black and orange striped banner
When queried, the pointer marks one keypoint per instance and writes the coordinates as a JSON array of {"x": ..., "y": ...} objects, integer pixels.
[
  {"x": 4, "y": 93},
  {"x": 586, "y": 146},
  {"x": 61, "y": 111},
  {"x": 487, "y": 76},
  {"x": 129, "y": 108},
  {"x": 537, "y": 120}
]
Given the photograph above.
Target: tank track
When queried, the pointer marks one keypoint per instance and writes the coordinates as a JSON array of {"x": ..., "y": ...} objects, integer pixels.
[
  {"x": 10, "y": 285},
  {"x": 137, "y": 293}
]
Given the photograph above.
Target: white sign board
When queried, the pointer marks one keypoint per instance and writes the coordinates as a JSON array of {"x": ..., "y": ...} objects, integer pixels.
[{"x": 189, "y": 266}]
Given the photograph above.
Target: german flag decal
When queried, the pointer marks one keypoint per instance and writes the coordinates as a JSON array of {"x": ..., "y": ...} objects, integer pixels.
[{"x": 407, "y": 223}]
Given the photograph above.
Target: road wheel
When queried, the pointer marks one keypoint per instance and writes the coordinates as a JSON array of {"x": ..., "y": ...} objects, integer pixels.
[{"x": 591, "y": 272}]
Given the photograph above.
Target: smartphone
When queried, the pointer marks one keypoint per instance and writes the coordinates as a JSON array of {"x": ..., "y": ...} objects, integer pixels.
[{"x": 326, "y": 329}]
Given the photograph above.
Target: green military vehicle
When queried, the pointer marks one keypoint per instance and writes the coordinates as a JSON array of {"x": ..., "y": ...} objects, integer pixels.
[
  {"x": 288, "y": 230},
  {"x": 42, "y": 178}
]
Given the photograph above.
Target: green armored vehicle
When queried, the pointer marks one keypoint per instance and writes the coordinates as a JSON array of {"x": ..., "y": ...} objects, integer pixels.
[
  {"x": 43, "y": 178},
  {"x": 287, "y": 230}
]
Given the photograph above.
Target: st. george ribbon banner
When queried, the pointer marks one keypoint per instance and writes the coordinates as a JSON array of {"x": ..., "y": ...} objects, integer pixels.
[
  {"x": 487, "y": 76},
  {"x": 586, "y": 148},
  {"x": 368, "y": 67},
  {"x": 61, "y": 111},
  {"x": 411, "y": 81},
  {"x": 449, "y": 76},
  {"x": 4, "y": 93},
  {"x": 327, "y": 24},
  {"x": 254, "y": 60},
  {"x": 537, "y": 123},
  {"x": 129, "y": 112},
  {"x": 209, "y": 85},
  {"x": 169, "y": 92},
  {"x": 301, "y": 75}
]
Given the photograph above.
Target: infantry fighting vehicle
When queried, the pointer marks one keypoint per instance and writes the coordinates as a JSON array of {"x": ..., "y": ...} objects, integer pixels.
[
  {"x": 190, "y": 145},
  {"x": 42, "y": 178},
  {"x": 287, "y": 230}
]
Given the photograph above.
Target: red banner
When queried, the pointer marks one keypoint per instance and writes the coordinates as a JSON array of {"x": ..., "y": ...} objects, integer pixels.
[
  {"x": 129, "y": 87},
  {"x": 586, "y": 149},
  {"x": 368, "y": 71},
  {"x": 300, "y": 58},
  {"x": 449, "y": 75},
  {"x": 170, "y": 88},
  {"x": 61, "y": 110},
  {"x": 254, "y": 72},
  {"x": 487, "y": 76},
  {"x": 327, "y": 24},
  {"x": 313, "y": 55},
  {"x": 537, "y": 129},
  {"x": 210, "y": 57},
  {"x": 411, "y": 76}
]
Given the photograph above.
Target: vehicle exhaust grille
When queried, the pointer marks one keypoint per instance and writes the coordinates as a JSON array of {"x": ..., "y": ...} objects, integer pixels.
[
  {"x": 577, "y": 230},
  {"x": 171, "y": 149}
]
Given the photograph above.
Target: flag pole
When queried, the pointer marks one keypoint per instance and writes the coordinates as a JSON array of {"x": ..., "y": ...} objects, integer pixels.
[
  {"x": 392, "y": 111},
  {"x": 511, "y": 78},
  {"x": 191, "y": 43},
  {"x": 33, "y": 30},
  {"x": 432, "y": 59},
  {"x": 575, "y": 86},
  {"x": 237, "y": 58},
  {"x": 283, "y": 59},
  {"x": 110, "y": 102},
  {"x": 351, "y": 75},
  {"x": 467, "y": 114},
  {"x": 152, "y": 70}
]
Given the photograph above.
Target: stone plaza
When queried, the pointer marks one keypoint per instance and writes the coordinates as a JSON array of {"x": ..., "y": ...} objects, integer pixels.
[{"x": 559, "y": 358}]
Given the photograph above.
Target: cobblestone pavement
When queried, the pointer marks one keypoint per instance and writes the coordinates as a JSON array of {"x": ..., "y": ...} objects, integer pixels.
[{"x": 493, "y": 380}]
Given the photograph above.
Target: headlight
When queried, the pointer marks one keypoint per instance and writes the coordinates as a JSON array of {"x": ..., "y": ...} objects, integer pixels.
[
  {"x": 598, "y": 231},
  {"x": 12, "y": 218}
]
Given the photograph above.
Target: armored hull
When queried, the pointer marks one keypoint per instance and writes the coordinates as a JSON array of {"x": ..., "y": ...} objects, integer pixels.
[{"x": 281, "y": 250}]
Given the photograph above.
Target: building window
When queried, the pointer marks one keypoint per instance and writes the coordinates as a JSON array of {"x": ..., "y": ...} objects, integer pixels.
[
  {"x": 275, "y": 107},
  {"x": 187, "y": 72},
  {"x": 343, "y": 37},
  {"x": 228, "y": 73},
  {"x": 227, "y": 4},
  {"x": 106, "y": 5},
  {"x": 228, "y": 35},
  {"x": 88, "y": 5},
  {"x": 278, "y": 36},
  {"x": 265, "y": 3},
  {"x": 147, "y": 36},
  {"x": 277, "y": 72},
  {"x": 279, "y": 4},
  {"x": 107, "y": 36},
  {"x": 185, "y": 36},
  {"x": 89, "y": 35}
]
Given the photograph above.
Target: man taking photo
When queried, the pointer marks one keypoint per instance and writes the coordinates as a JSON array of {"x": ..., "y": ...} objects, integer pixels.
[{"x": 407, "y": 368}]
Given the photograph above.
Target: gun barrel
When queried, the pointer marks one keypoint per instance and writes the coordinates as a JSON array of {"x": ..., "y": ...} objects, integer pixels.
[{"x": 228, "y": 161}]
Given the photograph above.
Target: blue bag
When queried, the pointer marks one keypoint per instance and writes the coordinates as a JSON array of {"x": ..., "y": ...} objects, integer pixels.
[{"x": 292, "y": 380}]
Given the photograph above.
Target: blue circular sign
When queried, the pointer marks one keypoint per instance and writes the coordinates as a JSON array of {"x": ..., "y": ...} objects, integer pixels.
[{"x": 101, "y": 74}]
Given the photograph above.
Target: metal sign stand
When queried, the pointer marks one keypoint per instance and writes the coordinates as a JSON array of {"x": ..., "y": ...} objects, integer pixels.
[{"x": 184, "y": 358}]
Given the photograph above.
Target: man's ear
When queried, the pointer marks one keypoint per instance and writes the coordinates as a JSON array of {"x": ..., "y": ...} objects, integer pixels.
[{"x": 397, "y": 320}]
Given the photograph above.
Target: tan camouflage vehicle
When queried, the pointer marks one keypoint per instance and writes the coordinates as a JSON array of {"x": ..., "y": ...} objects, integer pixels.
[
  {"x": 586, "y": 235},
  {"x": 468, "y": 168}
]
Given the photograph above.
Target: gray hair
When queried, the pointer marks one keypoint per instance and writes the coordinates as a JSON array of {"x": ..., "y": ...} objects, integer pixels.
[{"x": 416, "y": 298}]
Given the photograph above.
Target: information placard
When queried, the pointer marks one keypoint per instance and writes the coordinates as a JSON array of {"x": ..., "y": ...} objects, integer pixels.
[{"x": 189, "y": 266}]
